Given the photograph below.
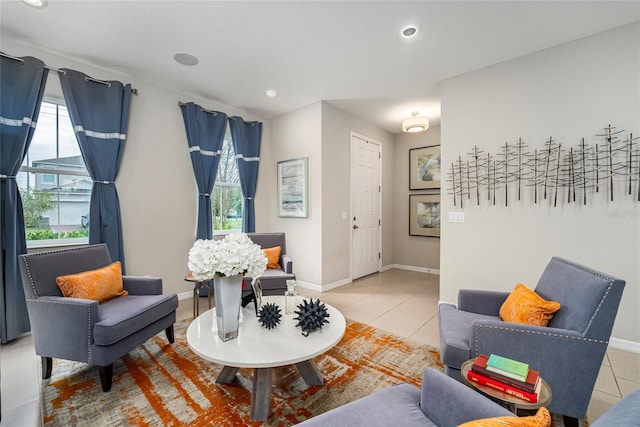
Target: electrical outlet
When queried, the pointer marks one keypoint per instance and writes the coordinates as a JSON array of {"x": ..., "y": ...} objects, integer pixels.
[{"x": 456, "y": 216}]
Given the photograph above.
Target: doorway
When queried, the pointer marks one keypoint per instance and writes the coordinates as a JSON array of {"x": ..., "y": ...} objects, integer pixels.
[{"x": 366, "y": 224}]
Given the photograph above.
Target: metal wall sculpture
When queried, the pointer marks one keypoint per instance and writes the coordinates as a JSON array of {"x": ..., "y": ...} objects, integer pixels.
[{"x": 553, "y": 172}]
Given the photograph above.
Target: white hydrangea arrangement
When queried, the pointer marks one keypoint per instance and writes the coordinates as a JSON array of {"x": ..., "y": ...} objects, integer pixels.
[{"x": 235, "y": 254}]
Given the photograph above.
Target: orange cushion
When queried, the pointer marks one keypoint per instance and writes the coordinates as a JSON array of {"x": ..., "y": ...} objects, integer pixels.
[
  {"x": 273, "y": 255},
  {"x": 99, "y": 285},
  {"x": 525, "y": 306},
  {"x": 542, "y": 418}
]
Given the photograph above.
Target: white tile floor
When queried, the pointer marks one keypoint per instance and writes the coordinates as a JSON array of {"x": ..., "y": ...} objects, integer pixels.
[{"x": 401, "y": 302}]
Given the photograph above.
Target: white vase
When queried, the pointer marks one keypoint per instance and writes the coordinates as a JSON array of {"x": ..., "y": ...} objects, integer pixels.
[{"x": 228, "y": 295}]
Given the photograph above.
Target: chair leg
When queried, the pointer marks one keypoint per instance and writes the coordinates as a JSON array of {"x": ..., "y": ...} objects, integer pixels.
[
  {"x": 47, "y": 365},
  {"x": 570, "y": 421},
  {"x": 170, "y": 336},
  {"x": 106, "y": 375}
]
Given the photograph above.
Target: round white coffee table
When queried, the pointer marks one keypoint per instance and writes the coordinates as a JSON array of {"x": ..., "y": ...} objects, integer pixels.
[{"x": 264, "y": 349}]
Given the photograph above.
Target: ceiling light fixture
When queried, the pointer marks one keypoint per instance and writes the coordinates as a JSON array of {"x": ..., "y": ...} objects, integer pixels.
[
  {"x": 409, "y": 31},
  {"x": 415, "y": 123},
  {"x": 38, "y": 4},
  {"x": 185, "y": 59},
  {"x": 271, "y": 93}
]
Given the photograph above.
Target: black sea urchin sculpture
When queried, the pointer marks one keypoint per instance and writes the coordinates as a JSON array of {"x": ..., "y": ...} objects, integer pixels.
[
  {"x": 269, "y": 315},
  {"x": 311, "y": 316}
]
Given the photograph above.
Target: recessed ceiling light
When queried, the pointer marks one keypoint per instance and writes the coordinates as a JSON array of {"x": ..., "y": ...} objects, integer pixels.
[
  {"x": 39, "y": 4},
  {"x": 185, "y": 59},
  {"x": 271, "y": 93},
  {"x": 409, "y": 31}
]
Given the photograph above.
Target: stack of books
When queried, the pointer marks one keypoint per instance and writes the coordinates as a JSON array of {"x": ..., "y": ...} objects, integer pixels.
[{"x": 506, "y": 375}]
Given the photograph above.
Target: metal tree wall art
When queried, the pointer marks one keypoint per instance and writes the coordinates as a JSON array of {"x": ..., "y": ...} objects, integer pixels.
[{"x": 552, "y": 172}]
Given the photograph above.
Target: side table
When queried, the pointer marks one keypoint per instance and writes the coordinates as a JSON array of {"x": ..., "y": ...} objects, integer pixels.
[
  {"x": 510, "y": 402},
  {"x": 197, "y": 285}
]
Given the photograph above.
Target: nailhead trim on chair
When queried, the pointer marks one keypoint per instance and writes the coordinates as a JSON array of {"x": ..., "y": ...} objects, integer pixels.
[
  {"x": 504, "y": 328},
  {"x": 89, "y": 359},
  {"x": 26, "y": 261},
  {"x": 597, "y": 274}
]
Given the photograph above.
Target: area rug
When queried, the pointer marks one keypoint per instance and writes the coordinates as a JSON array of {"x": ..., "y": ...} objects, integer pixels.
[{"x": 158, "y": 384}]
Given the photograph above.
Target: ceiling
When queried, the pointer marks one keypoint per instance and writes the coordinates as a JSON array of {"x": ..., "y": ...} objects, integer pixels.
[{"x": 348, "y": 53}]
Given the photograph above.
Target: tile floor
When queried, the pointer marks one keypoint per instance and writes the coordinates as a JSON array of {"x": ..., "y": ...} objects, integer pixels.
[{"x": 399, "y": 301}]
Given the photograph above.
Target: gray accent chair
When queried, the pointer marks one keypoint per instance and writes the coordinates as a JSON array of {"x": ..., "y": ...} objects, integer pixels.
[
  {"x": 441, "y": 401},
  {"x": 273, "y": 281},
  {"x": 568, "y": 352},
  {"x": 85, "y": 330}
]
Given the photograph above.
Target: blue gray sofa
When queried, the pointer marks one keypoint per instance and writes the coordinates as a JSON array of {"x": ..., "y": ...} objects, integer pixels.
[{"x": 443, "y": 402}]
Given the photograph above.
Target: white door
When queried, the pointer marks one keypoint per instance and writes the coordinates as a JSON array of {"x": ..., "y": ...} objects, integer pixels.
[{"x": 365, "y": 206}]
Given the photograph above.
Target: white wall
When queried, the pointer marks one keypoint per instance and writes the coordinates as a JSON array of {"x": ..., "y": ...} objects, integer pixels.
[
  {"x": 156, "y": 186},
  {"x": 298, "y": 134},
  {"x": 567, "y": 92},
  {"x": 319, "y": 244},
  {"x": 337, "y": 126},
  {"x": 411, "y": 251}
]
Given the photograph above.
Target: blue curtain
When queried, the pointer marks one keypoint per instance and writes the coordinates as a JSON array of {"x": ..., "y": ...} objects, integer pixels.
[
  {"x": 205, "y": 136},
  {"x": 246, "y": 138},
  {"x": 22, "y": 82},
  {"x": 99, "y": 112}
]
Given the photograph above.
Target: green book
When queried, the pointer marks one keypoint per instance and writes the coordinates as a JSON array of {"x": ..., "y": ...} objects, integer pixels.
[{"x": 508, "y": 367}]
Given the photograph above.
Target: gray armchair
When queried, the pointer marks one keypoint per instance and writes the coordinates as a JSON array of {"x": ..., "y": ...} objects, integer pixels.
[
  {"x": 568, "y": 352},
  {"x": 273, "y": 281},
  {"x": 84, "y": 330}
]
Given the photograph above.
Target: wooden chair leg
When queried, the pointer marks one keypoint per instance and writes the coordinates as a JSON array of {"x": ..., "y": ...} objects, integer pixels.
[
  {"x": 170, "y": 335},
  {"x": 106, "y": 375},
  {"x": 47, "y": 365}
]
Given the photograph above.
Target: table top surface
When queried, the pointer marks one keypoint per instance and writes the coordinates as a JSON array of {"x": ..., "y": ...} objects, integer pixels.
[
  {"x": 544, "y": 398},
  {"x": 259, "y": 347}
]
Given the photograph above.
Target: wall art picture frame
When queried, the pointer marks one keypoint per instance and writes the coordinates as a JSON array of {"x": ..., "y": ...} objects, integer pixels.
[
  {"x": 293, "y": 197},
  {"x": 424, "y": 215},
  {"x": 424, "y": 168}
]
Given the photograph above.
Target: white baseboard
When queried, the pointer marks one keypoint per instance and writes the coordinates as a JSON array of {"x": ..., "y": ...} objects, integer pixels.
[
  {"x": 307, "y": 285},
  {"x": 185, "y": 295},
  {"x": 626, "y": 345},
  {"x": 412, "y": 268}
]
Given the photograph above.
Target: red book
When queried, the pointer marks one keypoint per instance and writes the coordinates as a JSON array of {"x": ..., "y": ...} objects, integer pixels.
[
  {"x": 504, "y": 388},
  {"x": 480, "y": 367}
]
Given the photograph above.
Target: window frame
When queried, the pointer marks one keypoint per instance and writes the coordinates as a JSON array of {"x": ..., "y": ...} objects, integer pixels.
[
  {"x": 58, "y": 242},
  {"x": 227, "y": 140}
]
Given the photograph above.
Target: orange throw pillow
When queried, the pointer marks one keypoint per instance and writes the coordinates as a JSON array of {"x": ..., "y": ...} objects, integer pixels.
[
  {"x": 542, "y": 418},
  {"x": 99, "y": 285},
  {"x": 525, "y": 306},
  {"x": 273, "y": 255}
]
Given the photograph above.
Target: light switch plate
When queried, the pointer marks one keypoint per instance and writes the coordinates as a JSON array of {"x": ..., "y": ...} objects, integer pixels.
[{"x": 456, "y": 216}]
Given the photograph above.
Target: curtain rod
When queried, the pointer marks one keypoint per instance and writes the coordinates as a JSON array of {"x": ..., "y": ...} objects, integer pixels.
[
  {"x": 215, "y": 113},
  {"x": 133, "y": 90}
]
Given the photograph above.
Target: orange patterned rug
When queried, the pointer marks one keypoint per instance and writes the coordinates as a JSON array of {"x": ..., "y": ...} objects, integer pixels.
[{"x": 159, "y": 384}]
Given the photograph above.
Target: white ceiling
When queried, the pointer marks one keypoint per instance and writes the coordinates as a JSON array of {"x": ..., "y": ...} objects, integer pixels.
[{"x": 348, "y": 53}]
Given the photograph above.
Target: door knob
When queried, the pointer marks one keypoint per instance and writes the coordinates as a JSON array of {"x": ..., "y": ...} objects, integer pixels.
[{"x": 355, "y": 226}]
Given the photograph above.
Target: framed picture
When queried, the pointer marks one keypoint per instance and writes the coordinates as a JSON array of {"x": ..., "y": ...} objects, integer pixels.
[
  {"x": 424, "y": 215},
  {"x": 293, "y": 188},
  {"x": 424, "y": 168}
]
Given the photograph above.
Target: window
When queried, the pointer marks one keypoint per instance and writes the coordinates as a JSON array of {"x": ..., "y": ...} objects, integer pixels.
[
  {"x": 54, "y": 183},
  {"x": 226, "y": 199}
]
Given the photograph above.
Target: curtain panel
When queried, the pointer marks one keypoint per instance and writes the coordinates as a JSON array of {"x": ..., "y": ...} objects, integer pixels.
[
  {"x": 246, "y": 137},
  {"x": 205, "y": 135},
  {"x": 99, "y": 112},
  {"x": 22, "y": 82}
]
